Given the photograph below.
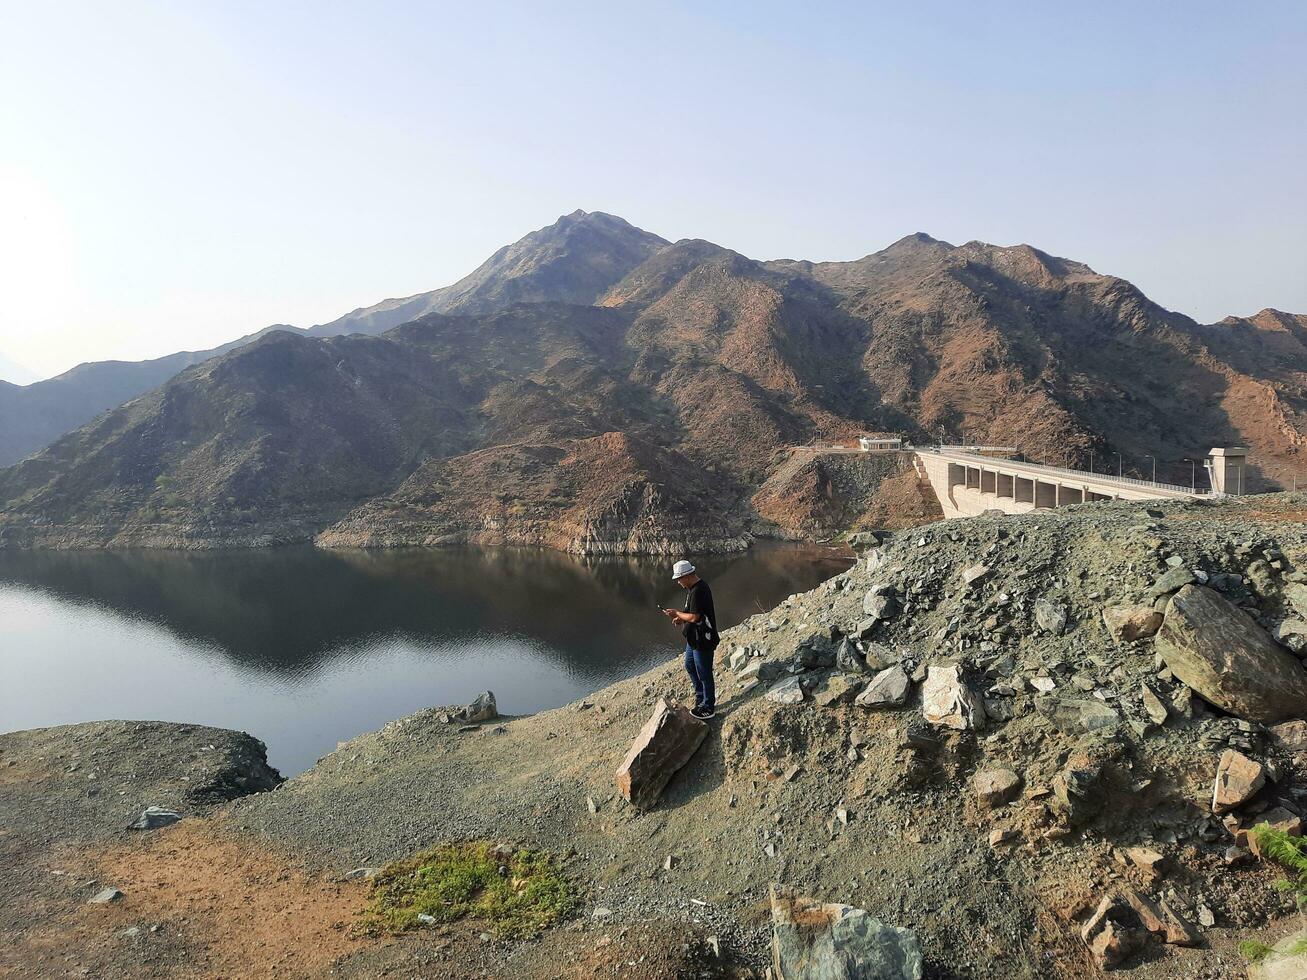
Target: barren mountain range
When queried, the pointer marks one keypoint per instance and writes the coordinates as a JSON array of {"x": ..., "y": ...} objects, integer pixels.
[{"x": 596, "y": 388}]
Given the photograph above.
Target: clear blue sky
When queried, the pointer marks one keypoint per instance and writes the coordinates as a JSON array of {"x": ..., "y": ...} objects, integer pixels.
[{"x": 174, "y": 175}]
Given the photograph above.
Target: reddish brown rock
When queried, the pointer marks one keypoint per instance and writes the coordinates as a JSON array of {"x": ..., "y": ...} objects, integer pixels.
[
  {"x": 1128, "y": 623},
  {"x": 1278, "y": 818},
  {"x": 666, "y": 742},
  {"x": 994, "y": 787},
  {"x": 1291, "y": 735},
  {"x": 1108, "y": 933},
  {"x": 1238, "y": 778},
  {"x": 1160, "y": 918}
]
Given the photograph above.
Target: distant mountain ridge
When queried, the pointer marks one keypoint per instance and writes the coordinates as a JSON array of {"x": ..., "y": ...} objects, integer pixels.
[
  {"x": 574, "y": 260},
  {"x": 597, "y": 388}
]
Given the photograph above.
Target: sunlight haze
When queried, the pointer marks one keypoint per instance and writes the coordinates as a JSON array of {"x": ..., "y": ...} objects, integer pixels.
[{"x": 173, "y": 176}]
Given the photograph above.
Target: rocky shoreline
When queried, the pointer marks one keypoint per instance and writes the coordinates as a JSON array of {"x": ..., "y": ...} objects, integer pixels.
[{"x": 1010, "y": 739}]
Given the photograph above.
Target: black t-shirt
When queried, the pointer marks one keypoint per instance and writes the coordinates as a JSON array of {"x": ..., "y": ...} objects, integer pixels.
[{"x": 698, "y": 599}]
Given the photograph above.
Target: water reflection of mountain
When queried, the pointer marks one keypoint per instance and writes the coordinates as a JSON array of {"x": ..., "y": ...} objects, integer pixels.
[{"x": 287, "y": 610}]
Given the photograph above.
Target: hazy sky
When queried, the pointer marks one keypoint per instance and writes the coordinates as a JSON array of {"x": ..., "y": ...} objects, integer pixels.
[{"x": 175, "y": 175}]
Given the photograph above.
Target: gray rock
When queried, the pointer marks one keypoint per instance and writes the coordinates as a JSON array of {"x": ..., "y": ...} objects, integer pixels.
[
  {"x": 153, "y": 817},
  {"x": 1074, "y": 716},
  {"x": 814, "y": 653},
  {"x": 483, "y": 708},
  {"x": 974, "y": 574},
  {"x": 1051, "y": 616},
  {"x": 814, "y": 940},
  {"x": 836, "y": 689},
  {"x": 1078, "y": 792},
  {"x": 849, "y": 658},
  {"x": 864, "y": 541},
  {"x": 888, "y": 689},
  {"x": 1262, "y": 578},
  {"x": 763, "y": 671},
  {"x": 1154, "y": 706},
  {"x": 1286, "y": 961},
  {"x": 880, "y": 606},
  {"x": 105, "y": 896},
  {"x": 1292, "y": 633},
  {"x": 1295, "y": 595},
  {"x": 1218, "y": 650},
  {"x": 788, "y": 691},
  {"x": 948, "y": 700},
  {"x": 739, "y": 658},
  {"x": 1172, "y": 581},
  {"x": 865, "y": 629}
]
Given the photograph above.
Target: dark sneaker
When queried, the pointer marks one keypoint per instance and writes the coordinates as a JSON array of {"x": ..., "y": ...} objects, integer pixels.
[{"x": 703, "y": 713}]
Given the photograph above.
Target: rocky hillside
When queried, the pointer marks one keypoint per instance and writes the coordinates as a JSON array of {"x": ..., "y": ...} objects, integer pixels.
[
  {"x": 821, "y": 493},
  {"x": 574, "y": 260},
  {"x": 1027, "y": 746},
  {"x": 716, "y": 362},
  {"x": 34, "y": 415}
]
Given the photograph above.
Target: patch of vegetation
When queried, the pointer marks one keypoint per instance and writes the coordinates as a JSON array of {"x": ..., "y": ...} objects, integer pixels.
[
  {"x": 516, "y": 892},
  {"x": 1291, "y": 854},
  {"x": 1253, "y": 951}
]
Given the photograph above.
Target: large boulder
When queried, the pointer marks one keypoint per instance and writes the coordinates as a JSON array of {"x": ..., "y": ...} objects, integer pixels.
[
  {"x": 1219, "y": 651},
  {"x": 666, "y": 742},
  {"x": 814, "y": 940},
  {"x": 948, "y": 700}
]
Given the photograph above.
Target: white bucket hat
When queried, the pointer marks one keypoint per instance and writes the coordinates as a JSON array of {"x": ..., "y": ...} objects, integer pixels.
[{"x": 681, "y": 569}]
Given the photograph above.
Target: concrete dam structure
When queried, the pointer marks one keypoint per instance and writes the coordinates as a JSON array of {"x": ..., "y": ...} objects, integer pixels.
[{"x": 968, "y": 482}]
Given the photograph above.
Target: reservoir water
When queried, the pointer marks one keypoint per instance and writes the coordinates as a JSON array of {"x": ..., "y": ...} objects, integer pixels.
[{"x": 304, "y": 648}]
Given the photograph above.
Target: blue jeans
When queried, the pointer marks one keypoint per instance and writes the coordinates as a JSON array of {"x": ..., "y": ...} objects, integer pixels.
[{"x": 699, "y": 666}]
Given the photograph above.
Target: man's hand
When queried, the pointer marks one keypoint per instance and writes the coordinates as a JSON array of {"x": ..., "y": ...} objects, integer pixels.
[{"x": 671, "y": 614}]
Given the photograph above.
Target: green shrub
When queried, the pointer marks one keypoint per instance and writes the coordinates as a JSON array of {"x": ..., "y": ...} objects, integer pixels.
[
  {"x": 456, "y": 881},
  {"x": 1291, "y": 854}
]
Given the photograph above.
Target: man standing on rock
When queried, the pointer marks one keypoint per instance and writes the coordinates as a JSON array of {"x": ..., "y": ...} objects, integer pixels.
[{"x": 698, "y": 622}]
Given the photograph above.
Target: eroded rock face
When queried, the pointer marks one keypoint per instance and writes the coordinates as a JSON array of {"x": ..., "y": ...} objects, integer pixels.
[
  {"x": 814, "y": 940},
  {"x": 1218, "y": 650},
  {"x": 1130, "y": 623},
  {"x": 666, "y": 742}
]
